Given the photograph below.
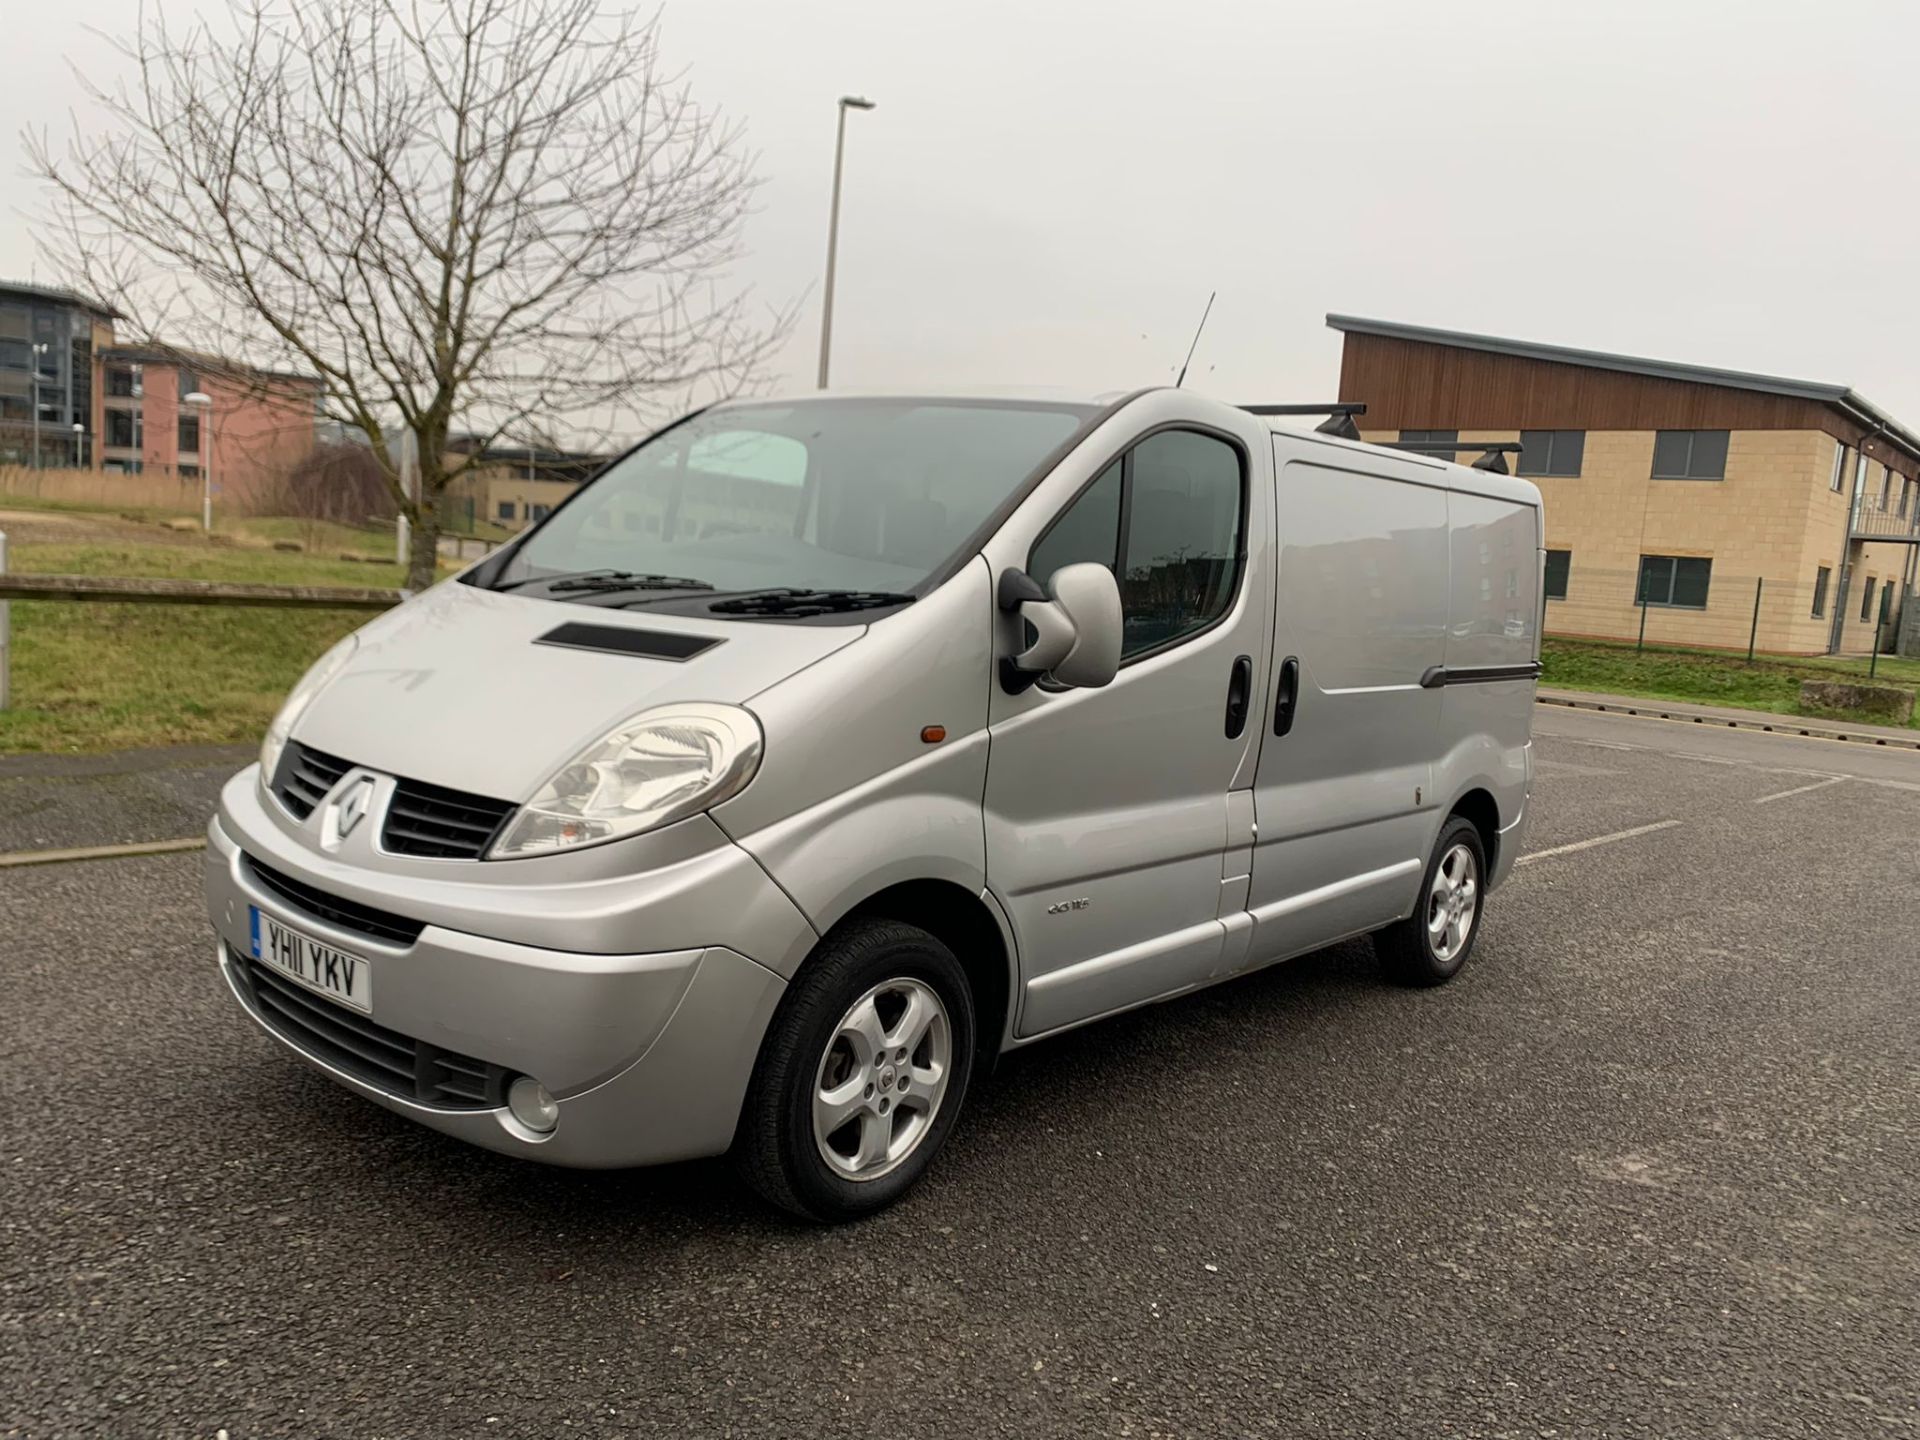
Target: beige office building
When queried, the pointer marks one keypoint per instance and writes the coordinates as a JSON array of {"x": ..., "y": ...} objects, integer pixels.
[{"x": 1712, "y": 506}]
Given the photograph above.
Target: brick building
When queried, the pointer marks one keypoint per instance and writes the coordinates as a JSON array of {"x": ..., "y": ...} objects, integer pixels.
[
  {"x": 1709, "y": 505},
  {"x": 70, "y": 395},
  {"x": 259, "y": 425}
]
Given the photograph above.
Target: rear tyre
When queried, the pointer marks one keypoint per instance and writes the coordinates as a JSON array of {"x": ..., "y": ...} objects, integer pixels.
[
  {"x": 1430, "y": 945},
  {"x": 862, "y": 1074}
]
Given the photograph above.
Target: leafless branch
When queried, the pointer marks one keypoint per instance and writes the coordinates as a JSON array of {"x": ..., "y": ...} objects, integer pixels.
[{"x": 464, "y": 216}]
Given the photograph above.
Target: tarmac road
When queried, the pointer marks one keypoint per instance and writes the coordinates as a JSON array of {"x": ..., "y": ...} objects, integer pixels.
[{"x": 1649, "y": 1168}]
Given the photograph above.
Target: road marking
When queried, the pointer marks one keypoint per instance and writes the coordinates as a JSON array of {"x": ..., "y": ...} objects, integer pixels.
[
  {"x": 1802, "y": 790},
  {"x": 1598, "y": 840},
  {"x": 1703, "y": 759},
  {"x": 13, "y": 858}
]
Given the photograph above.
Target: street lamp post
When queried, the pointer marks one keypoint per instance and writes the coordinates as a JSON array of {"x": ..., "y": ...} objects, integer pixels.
[
  {"x": 203, "y": 403},
  {"x": 847, "y": 102},
  {"x": 79, "y": 445},
  {"x": 33, "y": 377}
]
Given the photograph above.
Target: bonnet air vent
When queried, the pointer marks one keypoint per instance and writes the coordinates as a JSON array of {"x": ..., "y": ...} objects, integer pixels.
[{"x": 614, "y": 640}]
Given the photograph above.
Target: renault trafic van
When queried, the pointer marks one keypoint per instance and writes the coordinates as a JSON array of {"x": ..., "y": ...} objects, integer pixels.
[{"x": 820, "y": 750}]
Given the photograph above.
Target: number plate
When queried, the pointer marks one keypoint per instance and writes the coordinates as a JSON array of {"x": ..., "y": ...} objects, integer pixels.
[{"x": 331, "y": 971}]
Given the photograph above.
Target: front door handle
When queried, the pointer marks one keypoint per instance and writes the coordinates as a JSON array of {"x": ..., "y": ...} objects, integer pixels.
[
  {"x": 1287, "y": 697},
  {"x": 1239, "y": 696}
]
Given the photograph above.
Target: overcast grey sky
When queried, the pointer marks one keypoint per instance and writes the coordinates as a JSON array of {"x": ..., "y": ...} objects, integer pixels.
[{"x": 1048, "y": 190}]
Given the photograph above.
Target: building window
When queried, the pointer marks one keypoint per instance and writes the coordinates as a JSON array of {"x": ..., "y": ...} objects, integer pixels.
[
  {"x": 1820, "y": 582},
  {"x": 1434, "y": 438},
  {"x": 1906, "y": 497},
  {"x": 1559, "y": 562},
  {"x": 1866, "y": 600},
  {"x": 189, "y": 434},
  {"x": 540, "y": 512},
  {"x": 1886, "y": 488},
  {"x": 119, "y": 380},
  {"x": 1552, "y": 452},
  {"x": 1165, "y": 518},
  {"x": 506, "y": 510},
  {"x": 1860, "y": 479},
  {"x": 123, "y": 428},
  {"x": 1690, "y": 455},
  {"x": 1679, "y": 581},
  {"x": 189, "y": 472},
  {"x": 1839, "y": 479},
  {"x": 187, "y": 381}
]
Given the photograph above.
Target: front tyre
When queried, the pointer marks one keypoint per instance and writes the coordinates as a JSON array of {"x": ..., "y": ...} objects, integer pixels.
[
  {"x": 862, "y": 1074},
  {"x": 1430, "y": 945}
]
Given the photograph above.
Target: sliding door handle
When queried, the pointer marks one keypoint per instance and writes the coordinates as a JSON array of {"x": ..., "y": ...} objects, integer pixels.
[{"x": 1287, "y": 698}]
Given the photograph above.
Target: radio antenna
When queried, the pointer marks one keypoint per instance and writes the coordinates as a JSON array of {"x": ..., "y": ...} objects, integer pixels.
[{"x": 1196, "y": 341}]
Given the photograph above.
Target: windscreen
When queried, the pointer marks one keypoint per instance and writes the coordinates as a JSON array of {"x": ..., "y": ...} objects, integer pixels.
[{"x": 850, "y": 494}]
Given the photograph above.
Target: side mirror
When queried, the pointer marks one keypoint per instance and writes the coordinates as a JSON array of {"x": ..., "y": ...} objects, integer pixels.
[{"x": 1076, "y": 623}]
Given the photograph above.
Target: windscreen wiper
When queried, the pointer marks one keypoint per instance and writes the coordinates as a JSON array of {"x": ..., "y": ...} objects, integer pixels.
[
  {"x": 608, "y": 580},
  {"x": 808, "y": 602}
]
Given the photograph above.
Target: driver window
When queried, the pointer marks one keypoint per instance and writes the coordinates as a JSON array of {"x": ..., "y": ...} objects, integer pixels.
[{"x": 1165, "y": 518}]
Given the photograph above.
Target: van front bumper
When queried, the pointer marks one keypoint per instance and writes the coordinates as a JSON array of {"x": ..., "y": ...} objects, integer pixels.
[{"x": 648, "y": 1054}]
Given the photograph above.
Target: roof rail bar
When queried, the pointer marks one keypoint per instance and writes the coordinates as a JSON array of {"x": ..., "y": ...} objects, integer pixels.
[{"x": 1337, "y": 407}]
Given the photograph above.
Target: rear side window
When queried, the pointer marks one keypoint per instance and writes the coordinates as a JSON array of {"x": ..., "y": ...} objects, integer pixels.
[{"x": 1166, "y": 519}]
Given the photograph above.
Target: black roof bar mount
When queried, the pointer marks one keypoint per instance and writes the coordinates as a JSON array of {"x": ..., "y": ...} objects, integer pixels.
[
  {"x": 1493, "y": 453},
  {"x": 1339, "y": 415}
]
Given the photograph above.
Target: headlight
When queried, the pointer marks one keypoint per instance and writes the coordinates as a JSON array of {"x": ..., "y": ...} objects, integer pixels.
[
  {"x": 658, "y": 767},
  {"x": 301, "y": 696}
]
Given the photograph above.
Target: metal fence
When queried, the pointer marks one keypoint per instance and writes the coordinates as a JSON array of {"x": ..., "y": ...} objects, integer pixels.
[{"x": 1690, "y": 606}]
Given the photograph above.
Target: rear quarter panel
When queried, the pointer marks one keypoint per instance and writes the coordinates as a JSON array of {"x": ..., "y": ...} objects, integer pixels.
[{"x": 1493, "y": 619}]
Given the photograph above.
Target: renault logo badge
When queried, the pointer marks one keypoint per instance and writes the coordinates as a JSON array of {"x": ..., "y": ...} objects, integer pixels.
[{"x": 351, "y": 808}]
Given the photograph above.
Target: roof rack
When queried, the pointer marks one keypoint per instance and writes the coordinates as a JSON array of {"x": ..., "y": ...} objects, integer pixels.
[
  {"x": 1339, "y": 415},
  {"x": 1493, "y": 453}
]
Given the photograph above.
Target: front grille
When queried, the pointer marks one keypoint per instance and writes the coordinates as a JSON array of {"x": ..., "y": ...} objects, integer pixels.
[
  {"x": 441, "y": 824},
  {"x": 347, "y": 914},
  {"x": 304, "y": 778},
  {"x": 393, "y": 1063}
]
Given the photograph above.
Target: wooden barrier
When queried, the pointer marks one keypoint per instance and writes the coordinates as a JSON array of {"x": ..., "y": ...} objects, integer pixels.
[{"x": 114, "y": 590}]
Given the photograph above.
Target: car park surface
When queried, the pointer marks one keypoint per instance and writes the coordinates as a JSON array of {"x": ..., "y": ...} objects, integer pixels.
[{"x": 1647, "y": 1168}]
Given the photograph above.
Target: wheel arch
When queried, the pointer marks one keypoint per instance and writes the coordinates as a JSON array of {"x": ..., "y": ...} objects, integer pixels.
[
  {"x": 1478, "y": 806},
  {"x": 966, "y": 924}
]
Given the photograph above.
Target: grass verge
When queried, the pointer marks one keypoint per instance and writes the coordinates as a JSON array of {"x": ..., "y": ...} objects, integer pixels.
[
  {"x": 90, "y": 677},
  {"x": 1706, "y": 678}
]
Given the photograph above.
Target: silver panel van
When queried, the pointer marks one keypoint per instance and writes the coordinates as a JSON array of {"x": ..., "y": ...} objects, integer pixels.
[{"x": 820, "y": 750}]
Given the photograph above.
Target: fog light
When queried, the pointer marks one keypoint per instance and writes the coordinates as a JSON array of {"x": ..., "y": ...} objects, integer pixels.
[{"x": 531, "y": 1105}]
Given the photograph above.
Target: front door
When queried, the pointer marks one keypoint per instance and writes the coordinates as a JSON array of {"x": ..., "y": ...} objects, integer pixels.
[{"x": 1106, "y": 810}]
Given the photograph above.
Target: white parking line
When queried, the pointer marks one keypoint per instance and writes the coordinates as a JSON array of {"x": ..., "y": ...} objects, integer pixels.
[
  {"x": 1802, "y": 790},
  {"x": 1597, "y": 840}
]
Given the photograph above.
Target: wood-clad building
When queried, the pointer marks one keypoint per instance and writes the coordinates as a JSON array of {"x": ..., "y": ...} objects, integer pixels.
[{"x": 1708, "y": 504}]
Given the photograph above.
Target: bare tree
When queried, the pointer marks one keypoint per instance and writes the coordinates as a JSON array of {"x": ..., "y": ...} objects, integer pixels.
[{"x": 478, "y": 217}]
